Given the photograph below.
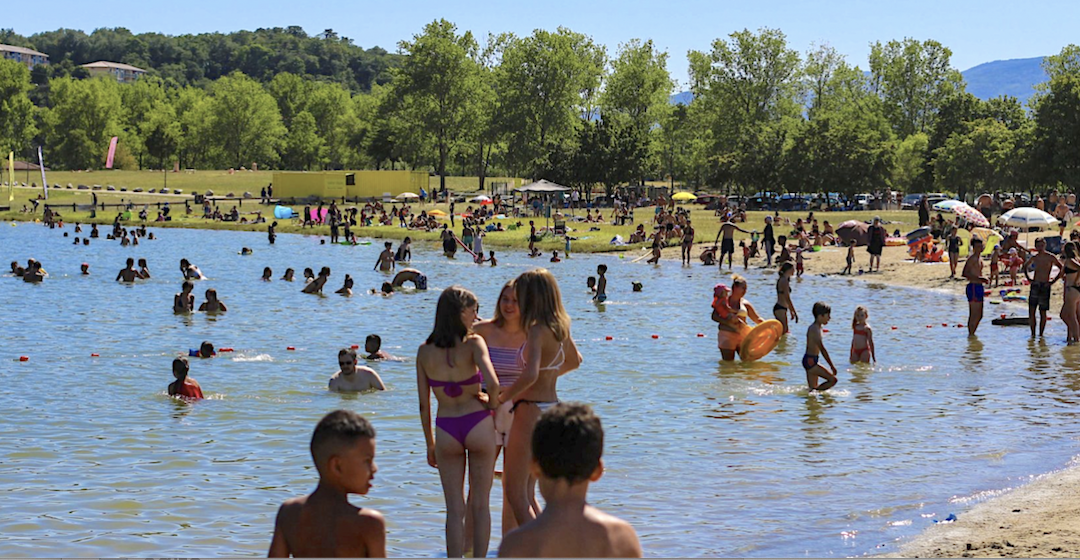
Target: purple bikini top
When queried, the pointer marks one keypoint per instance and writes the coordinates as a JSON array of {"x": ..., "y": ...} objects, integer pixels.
[{"x": 454, "y": 388}]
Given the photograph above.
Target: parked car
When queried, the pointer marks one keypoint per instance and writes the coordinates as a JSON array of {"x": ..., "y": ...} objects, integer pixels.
[
  {"x": 863, "y": 201},
  {"x": 911, "y": 201}
]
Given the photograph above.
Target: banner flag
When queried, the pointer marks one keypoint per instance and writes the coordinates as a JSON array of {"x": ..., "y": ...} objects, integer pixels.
[
  {"x": 112, "y": 152},
  {"x": 41, "y": 163}
]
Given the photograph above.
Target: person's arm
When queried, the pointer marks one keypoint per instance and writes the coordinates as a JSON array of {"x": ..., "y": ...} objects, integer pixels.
[
  {"x": 790, "y": 304},
  {"x": 424, "y": 393},
  {"x": 824, "y": 352},
  {"x": 1027, "y": 265},
  {"x": 870, "y": 342},
  {"x": 573, "y": 359},
  {"x": 279, "y": 546},
  {"x": 482, "y": 359},
  {"x": 221, "y": 306},
  {"x": 1061, "y": 269},
  {"x": 119, "y": 275},
  {"x": 374, "y": 533},
  {"x": 753, "y": 313},
  {"x": 376, "y": 381},
  {"x": 533, "y": 352}
]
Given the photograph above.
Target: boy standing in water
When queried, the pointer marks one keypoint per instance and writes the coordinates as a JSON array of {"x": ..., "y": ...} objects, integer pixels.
[
  {"x": 601, "y": 284},
  {"x": 386, "y": 258},
  {"x": 816, "y": 347},
  {"x": 976, "y": 284},
  {"x": 324, "y": 523},
  {"x": 567, "y": 445}
]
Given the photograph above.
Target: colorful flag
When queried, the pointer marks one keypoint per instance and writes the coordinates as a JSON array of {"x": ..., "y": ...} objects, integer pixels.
[
  {"x": 112, "y": 152},
  {"x": 41, "y": 163},
  {"x": 11, "y": 176}
]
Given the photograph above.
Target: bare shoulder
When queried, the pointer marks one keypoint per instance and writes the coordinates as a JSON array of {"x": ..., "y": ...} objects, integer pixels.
[
  {"x": 622, "y": 536},
  {"x": 369, "y": 521},
  {"x": 290, "y": 510},
  {"x": 483, "y": 327},
  {"x": 519, "y": 543}
]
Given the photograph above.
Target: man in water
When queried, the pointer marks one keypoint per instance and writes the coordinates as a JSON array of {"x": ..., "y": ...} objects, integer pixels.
[
  {"x": 352, "y": 377},
  {"x": 410, "y": 275},
  {"x": 386, "y": 258},
  {"x": 1043, "y": 263},
  {"x": 976, "y": 284},
  {"x": 128, "y": 273},
  {"x": 727, "y": 246}
]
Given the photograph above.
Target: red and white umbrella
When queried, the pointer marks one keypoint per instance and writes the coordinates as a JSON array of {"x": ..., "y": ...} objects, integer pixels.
[{"x": 970, "y": 214}]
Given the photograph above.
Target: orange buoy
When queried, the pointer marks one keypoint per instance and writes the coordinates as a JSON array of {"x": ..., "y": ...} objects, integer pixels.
[
  {"x": 290, "y": 348},
  {"x": 929, "y": 326},
  {"x": 894, "y": 328},
  {"x": 607, "y": 338},
  {"x": 944, "y": 324},
  {"x": 959, "y": 326},
  {"x": 355, "y": 347},
  {"x": 94, "y": 355},
  {"x": 700, "y": 335},
  {"x": 824, "y": 330},
  {"x": 24, "y": 358},
  {"x": 225, "y": 349},
  {"x": 656, "y": 336}
]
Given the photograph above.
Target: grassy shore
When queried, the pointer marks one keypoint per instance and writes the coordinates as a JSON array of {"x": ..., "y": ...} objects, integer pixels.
[{"x": 590, "y": 238}]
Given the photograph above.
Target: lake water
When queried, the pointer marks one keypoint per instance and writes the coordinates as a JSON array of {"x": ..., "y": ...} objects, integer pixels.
[{"x": 704, "y": 458}]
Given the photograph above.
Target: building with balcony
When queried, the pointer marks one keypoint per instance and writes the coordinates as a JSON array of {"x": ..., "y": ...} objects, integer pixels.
[
  {"x": 23, "y": 55},
  {"x": 123, "y": 73}
]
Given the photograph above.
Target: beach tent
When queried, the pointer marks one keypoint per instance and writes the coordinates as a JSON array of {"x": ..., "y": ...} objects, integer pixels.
[
  {"x": 854, "y": 230},
  {"x": 546, "y": 190}
]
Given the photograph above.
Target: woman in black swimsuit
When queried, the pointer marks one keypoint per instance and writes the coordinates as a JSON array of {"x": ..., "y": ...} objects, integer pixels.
[
  {"x": 784, "y": 305},
  {"x": 1071, "y": 301}
]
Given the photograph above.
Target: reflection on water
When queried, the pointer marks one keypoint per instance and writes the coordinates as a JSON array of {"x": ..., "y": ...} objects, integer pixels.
[{"x": 706, "y": 458}]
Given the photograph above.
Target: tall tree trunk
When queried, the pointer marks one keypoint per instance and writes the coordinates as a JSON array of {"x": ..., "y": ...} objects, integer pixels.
[{"x": 442, "y": 166}]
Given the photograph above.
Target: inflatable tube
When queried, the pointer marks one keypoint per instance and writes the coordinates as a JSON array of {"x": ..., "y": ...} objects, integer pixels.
[
  {"x": 283, "y": 212},
  {"x": 464, "y": 246},
  {"x": 1011, "y": 322},
  {"x": 918, "y": 233},
  {"x": 895, "y": 242},
  {"x": 761, "y": 340}
]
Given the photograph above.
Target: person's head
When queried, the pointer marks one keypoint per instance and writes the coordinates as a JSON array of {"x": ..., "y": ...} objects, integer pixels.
[
  {"x": 721, "y": 291},
  {"x": 388, "y": 245},
  {"x": 180, "y": 368},
  {"x": 567, "y": 444},
  {"x": 1012, "y": 252},
  {"x": 454, "y": 315},
  {"x": 822, "y": 313},
  {"x": 782, "y": 240},
  {"x": 85, "y": 267},
  {"x": 187, "y": 286},
  {"x": 184, "y": 263},
  {"x": 738, "y": 286},
  {"x": 636, "y": 286},
  {"x": 877, "y": 221},
  {"x": 142, "y": 263},
  {"x": 206, "y": 349},
  {"x": 343, "y": 448},
  {"x": 346, "y": 358},
  {"x": 742, "y": 243},
  {"x": 1040, "y": 244},
  {"x": 130, "y": 262},
  {"x": 590, "y": 282},
  {"x": 348, "y": 281},
  {"x": 601, "y": 269},
  {"x": 506, "y": 311},
  {"x": 289, "y": 273},
  {"x": 211, "y": 294},
  {"x": 308, "y": 273},
  {"x": 372, "y": 343},
  {"x": 541, "y": 302},
  {"x": 976, "y": 244},
  {"x": 86, "y": 240},
  {"x": 861, "y": 315},
  {"x": 387, "y": 288},
  {"x": 267, "y": 273},
  {"x": 491, "y": 254},
  {"x": 768, "y": 219},
  {"x": 324, "y": 271}
]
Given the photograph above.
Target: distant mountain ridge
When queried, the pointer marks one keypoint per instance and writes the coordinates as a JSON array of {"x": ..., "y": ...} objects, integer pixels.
[{"x": 1016, "y": 77}]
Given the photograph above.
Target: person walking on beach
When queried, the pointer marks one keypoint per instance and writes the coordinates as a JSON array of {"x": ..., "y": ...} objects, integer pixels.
[
  {"x": 876, "y": 244},
  {"x": 976, "y": 285},
  {"x": 324, "y": 524},
  {"x": 456, "y": 361},
  {"x": 727, "y": 245},
  {"x": 687, "y": 242},
  {"x": 953, "y": 243},
  {"x": 784, "y": 306},
  {"x": 1043, "y": 263},
  {"x": 815, "y": 348},
  {"x": 549, "y": 353}
]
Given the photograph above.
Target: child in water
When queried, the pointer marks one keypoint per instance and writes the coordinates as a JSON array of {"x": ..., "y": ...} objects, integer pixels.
[
  {"x": 491, "y": 258},
  {"x": 343, "y": 448},
  {"x": 206, "y": 350},
  {"x": 799, "y": 262},
  {"x": 289, "y": 273},
  {"x": 590, "y": 283},
  {"x": 184, "y": 386},
  {"x": 601, "y": 284},
  {"x": 85, "y": 269},
  {"x": 373, "y": 346},
  {"x": 555, "y": 256},
  {"x": 862, "y": 340},
  {"x": 720, "y": 301},
  {"x": 745, "y": 255},
  {"x": 567, "y": 446},
  {"x": 268, "y": 274},
  {"x": 346, "y": 289},
  {"x": 816, "y": 347}
]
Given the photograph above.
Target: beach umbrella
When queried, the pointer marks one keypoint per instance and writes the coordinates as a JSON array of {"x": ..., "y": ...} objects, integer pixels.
[
  {"x": 482, "y": 199},
  {"x": 408, "y": 195},
  {"x": 683, "y": 196},
  {"x": 854, "y": 230},
  {"x": 1027, "y": 218},
  {"x": 970, "y": 214},
  {"x": 436, "y": 213},
  {"x": 946, "y": 205}
]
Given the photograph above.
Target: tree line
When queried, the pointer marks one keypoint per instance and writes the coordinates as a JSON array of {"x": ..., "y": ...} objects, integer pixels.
[{"x": 554, "y": 104}]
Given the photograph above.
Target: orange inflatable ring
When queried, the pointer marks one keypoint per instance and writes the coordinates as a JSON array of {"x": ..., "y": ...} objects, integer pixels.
[{"x": 761, "y": 340}]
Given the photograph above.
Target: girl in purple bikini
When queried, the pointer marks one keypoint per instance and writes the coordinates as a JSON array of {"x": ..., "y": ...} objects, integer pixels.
[{"x": 447, "y": 364}]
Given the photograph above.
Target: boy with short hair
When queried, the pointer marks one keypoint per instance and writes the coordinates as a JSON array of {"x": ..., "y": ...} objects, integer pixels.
[
  {"x": 601, "y": 284},
  {"x": 324, "y": 523},
  {"x": 373, "y": 345},
  {"x": 814, "y": 347},
  {"x": 567, "y": 444}
]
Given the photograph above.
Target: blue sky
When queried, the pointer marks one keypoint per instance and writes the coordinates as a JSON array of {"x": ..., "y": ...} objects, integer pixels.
[{"x": 976, "y": 32}]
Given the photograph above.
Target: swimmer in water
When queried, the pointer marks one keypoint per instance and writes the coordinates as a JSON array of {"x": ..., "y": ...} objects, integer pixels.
[
  {"x": 373, "y": 345},
  {"x": 601, "y": 284},
  {"x": 309, "y": 275},
  {"x": 346, "y": 289},
  {"x": 555, "y": 256},
  {"x": 128, "y": 273},
  {"x": 268, "y": 274},
  {"x": 316, "y": 285},
  {"x": 491, "y": 258},
  {"x": 16, "y": 269},
  {"x": 410, "y": 275},
  {"x": 343, "y": 447},
  {"x": 212, "y": 303},
  {"x": 144, "y": 271},
  {"x": 184, "y": 302},
  {"x": 288, "y": 275},
  {"x": 184, "y": 386},
  {"x": 190, "y": 271},
  {"x": 387, "y": 289},
  {"x": 245, "y": 251},
  {"x": 386, "y": 259},
  {"x": 206, "y": 350},
  {"x": 404, "y": 251},
  {"x": 85, "y": 267},
  {"x": 353, "y": 377}
]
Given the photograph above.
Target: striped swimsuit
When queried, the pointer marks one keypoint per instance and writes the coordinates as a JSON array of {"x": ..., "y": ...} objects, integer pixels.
[{"x": 507, "y": 365}]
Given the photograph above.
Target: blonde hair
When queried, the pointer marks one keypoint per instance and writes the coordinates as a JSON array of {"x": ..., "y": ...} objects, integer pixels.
[
  {"x": 855, "y": 317},
  {"x": 540, "y": 302},
  {"x": 498, "y": 318}
]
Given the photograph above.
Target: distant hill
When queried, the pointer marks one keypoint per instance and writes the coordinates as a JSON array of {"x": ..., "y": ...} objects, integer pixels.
[{"x": 1017, "y": 77}]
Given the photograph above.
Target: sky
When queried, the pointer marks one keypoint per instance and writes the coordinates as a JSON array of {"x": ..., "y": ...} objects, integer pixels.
[{"x": 975, "y": 31}]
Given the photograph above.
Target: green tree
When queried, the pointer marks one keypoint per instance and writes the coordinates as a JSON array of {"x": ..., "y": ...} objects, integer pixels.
[
  {"x": 1055, "y": 158},
  {"x": 911, "y": 155},
  {"x": 139, "y": 99},
  {"x": 637, "y": 93},
  {"x": 162, "y": 133},
  {"x": 435, "y": 82},
  {"x": 84, "y": 116},
  {"x": 913, "y": 79},
  {"x": 980, "y": 159},
  {"x": 17, "y": 127},
  {"x": 194, "y": 112},
  {"x": 245, "y": 121},
  {"x": 303, "y": 149}
]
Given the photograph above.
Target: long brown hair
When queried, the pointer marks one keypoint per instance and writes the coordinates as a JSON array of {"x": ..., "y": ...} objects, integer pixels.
[
  {"x": 540, "y": 302},
  {"x": 449, "y": 330},
  {"x": 498, "y": 318}
]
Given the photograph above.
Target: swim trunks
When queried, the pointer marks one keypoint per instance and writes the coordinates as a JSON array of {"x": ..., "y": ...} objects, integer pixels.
[
  {"x": 421, "y": 282},
  {"x": 601, "y": 298},
  {"x": 727, "y": 245},
  {"x": 975, "y": 293},
  {"x": 1040, "y": 296},
  {"x": 808, "y": 362}
]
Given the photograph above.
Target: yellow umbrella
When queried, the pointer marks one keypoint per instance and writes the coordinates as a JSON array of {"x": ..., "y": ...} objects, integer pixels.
[
  {"x": 683, "y": 196},
  {"x": 436, "y": 213}
]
